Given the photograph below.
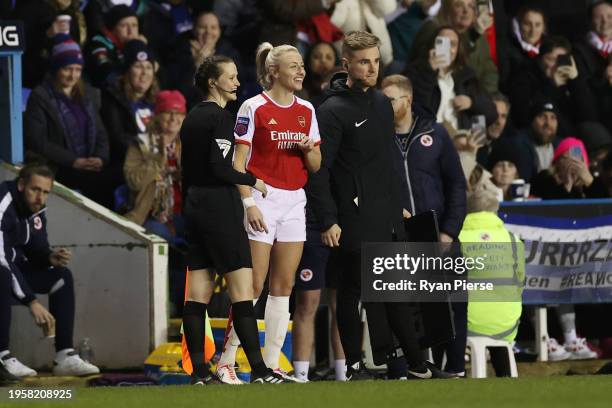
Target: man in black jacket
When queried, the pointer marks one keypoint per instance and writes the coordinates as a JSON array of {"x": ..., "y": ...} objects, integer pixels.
[
  {"x": 432, "y": 179},
  {"x": 355, "y": 194},
  {"x": 28, "y": 265}
]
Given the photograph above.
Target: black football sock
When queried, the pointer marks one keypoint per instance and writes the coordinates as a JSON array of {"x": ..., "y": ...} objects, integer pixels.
[
  {"x": 246, "y": 329},
  {"x": 194, "y": 326}
]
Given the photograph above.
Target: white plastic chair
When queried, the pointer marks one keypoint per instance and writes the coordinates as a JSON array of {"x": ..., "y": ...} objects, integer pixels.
[{"x": 478, "y": 346}]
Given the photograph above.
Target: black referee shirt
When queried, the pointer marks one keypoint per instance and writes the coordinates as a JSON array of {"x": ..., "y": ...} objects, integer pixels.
[{"x": 207, "y": 138}]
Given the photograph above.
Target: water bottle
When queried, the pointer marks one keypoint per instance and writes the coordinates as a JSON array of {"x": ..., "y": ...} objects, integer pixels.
[{"x": 85, "y": 350}]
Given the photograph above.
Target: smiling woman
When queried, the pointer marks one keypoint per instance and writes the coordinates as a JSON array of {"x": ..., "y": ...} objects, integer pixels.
[{"x": 277, "y": 138}]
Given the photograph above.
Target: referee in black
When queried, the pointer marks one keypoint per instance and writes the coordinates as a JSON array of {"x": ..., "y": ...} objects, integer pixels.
[{"x": 213, "y": 211}]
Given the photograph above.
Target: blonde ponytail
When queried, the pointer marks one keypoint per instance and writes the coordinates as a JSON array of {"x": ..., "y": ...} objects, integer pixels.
[{"x": 266, "y": 57}]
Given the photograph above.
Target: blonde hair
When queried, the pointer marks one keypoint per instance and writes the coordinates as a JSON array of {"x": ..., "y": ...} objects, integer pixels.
[
  {"x": 268, "y": 56},
  {"x": 358, "y": 40},
  {"x": 401, "y": 81}
]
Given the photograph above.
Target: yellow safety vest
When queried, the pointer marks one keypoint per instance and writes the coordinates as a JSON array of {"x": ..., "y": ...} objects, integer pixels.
[{"x": 496, "y": 319}]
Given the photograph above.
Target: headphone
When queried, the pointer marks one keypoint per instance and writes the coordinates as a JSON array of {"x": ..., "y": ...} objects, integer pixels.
[{"x": 225, "y": 90}]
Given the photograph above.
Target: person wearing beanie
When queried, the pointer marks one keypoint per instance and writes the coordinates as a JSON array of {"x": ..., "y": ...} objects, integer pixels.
[
  {"x": 504, "y": 164},
  {"x": 597, "y": 140},
  {"x": 62, "y": 125},
  {"x": 539, "y": 140},
  {"x": 128, "y": 102},
  {"x": 569, "y": 176},
  {"x": 105, "y": 50}
]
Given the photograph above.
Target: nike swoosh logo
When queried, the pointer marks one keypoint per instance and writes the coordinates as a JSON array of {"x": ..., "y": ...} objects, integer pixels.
[
  {"x": 357, "y": 124},
  {"x": 424, "y": 376}
]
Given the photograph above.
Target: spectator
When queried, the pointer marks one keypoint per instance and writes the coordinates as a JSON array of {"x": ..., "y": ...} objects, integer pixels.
[
  {"x": 569, "y": 176},
  {"x": 593, "y": 56},
  {"x": 453, "y": 91},
  {"x": 321, "y": 60},
  {"x": 241, "y": 22},
  {"x": 432, "y": 179},
  {"x": 461, "y": 16},
  {"x": 191, "y": 48},
  {"x": 41, "y": 24},
  {"x": 499, "y": 130},
  {"x": 33, "y": 267},
  {"x": 606, "y": 175},
  {"x": 163, "y": 22},
  {"x": 152, "y": 169},
  {"x": 598, "y": 143},
  {"x": 554, "y": 76},
  {"x": 404, "y": 27},
  {"x": 280, "y": 18},
  {"x": 62, "y": 125},
  {"x": 528, "y": 30},
  {"x": 540, "y": 140},
  {"x": 504, "y": 164},
  {"x": 94, "y": 11},
  {"x": 104, "y": 53},
  {"x": 128, "y": 103},
  {"x": 356, "y": 15}
]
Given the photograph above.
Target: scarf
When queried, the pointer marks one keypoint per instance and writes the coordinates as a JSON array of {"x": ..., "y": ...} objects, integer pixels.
[
  {"x": 604, "y": 48},
  {"x": 531, "y": 50}
]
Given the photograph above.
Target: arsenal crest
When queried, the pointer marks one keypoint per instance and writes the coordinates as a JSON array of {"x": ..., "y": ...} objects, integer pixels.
[{"x": 302, "y": 121}]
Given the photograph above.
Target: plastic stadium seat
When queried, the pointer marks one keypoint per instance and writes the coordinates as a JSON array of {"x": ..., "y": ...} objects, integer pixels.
[{"x": 478, "y": 346}]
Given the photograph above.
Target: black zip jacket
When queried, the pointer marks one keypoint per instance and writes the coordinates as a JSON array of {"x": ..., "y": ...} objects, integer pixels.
[
  {"x": 432, "y": 178},
  {"x": 357, "y": 186}
]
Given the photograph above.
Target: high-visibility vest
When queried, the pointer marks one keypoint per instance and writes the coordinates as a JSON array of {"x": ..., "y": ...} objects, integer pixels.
[{"x": 495, "y": 319}]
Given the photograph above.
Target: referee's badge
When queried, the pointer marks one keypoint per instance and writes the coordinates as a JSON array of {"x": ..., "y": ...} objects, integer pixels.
[
  {"x": 306, "y": 275},
  {"x": 224, "y": 146},
  {"x": 426, "y": 140}
]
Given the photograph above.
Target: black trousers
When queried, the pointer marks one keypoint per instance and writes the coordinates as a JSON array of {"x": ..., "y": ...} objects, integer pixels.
[
  {"x": 384, "y": 319},
  {"x": 58, "y": 283}
]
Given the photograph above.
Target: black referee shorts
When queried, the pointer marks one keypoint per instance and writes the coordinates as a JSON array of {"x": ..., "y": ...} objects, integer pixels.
[{"x": 214, "y": 230}]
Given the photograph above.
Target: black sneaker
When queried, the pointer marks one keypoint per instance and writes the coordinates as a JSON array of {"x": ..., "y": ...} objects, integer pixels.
[
  {"x": 210, "y": 379},
  {"x": 270, "y": 378},
  {"x": 430, "y": 371},
  {"x": 7, "y": 378},
  {"x": 358, "y": 372}
]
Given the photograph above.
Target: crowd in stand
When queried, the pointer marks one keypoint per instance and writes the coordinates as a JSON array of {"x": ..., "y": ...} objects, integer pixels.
[{"x": 111, "y": 81}]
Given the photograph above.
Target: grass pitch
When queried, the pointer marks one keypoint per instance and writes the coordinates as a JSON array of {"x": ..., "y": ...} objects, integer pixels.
[{"x": 574, "y": 391}]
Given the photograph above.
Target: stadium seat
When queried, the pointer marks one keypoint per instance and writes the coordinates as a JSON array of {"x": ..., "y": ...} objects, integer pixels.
[{"x": 478, "y": 346}]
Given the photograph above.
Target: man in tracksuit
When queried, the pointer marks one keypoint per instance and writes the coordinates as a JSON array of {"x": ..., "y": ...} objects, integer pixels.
[
  {"x": 356, "y": 197},
  {"x": 432, "y": 179},
  {"x": 28, "y": 265}
]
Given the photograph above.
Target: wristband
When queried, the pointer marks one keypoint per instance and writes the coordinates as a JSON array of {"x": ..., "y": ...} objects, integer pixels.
[{"x": 248, "y": 202}]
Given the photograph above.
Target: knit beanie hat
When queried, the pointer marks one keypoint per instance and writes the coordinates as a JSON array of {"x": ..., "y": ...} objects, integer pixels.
[
  {"x": 134, "y": 51},
  {"x": 116, "y": 14},
  {"x": 566, "y": 145},
  {"x": 505, "y": 150},
  {"x": 65, "y": 52},
  {"x": 595, "y": 136}
]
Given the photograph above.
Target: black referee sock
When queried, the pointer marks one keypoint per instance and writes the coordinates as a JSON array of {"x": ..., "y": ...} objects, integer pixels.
[
  {"x": 194, "y": 326},
  {"x": 246, "y": 329}
]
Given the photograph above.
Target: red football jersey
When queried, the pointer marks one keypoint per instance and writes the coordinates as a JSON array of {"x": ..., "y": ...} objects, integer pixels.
[{"x": 273, "y": 131}]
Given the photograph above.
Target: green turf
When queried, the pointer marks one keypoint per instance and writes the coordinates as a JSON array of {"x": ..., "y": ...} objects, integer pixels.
[{"x": 574, "y": 391}]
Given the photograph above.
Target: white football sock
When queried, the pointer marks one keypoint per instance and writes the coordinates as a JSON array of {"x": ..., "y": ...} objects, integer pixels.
[
  {"x": 300, "y": 369},
  {"x": 228, "y": 355},
  {"x": 277, "y": 319},
  {"x": 340, "y": 368}
]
